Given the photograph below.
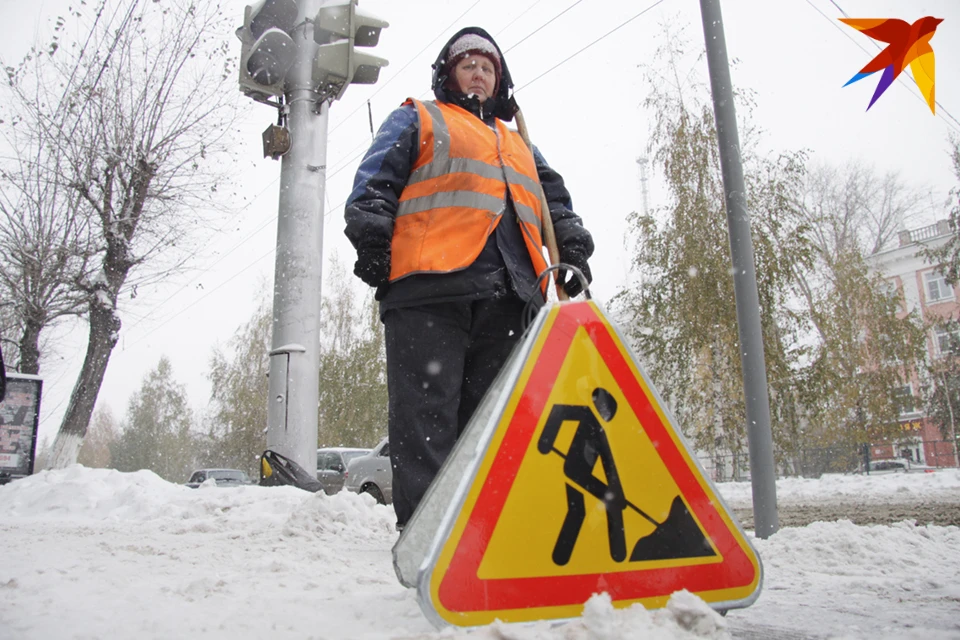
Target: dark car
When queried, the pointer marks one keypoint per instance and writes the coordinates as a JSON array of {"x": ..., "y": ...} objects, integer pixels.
[
  {"x": 223, "y": 477},
  {"x": 372, "y": 474},
  {"x": 332, "y": 466}
]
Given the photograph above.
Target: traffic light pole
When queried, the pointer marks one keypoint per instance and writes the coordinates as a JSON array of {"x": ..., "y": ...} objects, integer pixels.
[
  {"x": 302, "y": 50},
  {"x": 759, "y": 438},
  {"x": 295, "y": 353}
]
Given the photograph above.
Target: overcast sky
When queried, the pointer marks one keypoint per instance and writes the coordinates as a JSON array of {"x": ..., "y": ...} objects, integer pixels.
[{"x": 585, "y": 115}]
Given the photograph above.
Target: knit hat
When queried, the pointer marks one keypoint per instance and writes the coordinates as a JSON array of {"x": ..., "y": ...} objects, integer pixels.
[
  {"x": 445, "y": 87},
  {"x": 470, "y": 43}
]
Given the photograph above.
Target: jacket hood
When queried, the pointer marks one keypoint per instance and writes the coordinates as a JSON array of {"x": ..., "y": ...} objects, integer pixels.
[{"x": 504, "y": 106}]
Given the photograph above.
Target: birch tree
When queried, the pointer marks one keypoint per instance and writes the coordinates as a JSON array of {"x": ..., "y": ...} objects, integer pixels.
[
  {"x": 680, "y": 312},
  {"x": 353, "y": 392},
  {"x": 237, "y": 435},
  {"x": 942, "y": 404},
  {"x": 863, "y": 346},
  {"x": 157, "y": 428},
  {"x": 838, "y": 347},
  {"x": 353, "y": 380},
  {"x": 103, "y": 433}
]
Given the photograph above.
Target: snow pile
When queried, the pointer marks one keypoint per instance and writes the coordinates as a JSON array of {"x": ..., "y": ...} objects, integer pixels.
[
  {"x": 836, "y": 487},
  {"x": 95, "y": 495},
  {"x": 130, "y": 555},
  {"x": 686, "y": 617}
]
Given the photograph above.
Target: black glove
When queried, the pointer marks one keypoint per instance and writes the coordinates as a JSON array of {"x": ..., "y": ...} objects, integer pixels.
[
  {"x": 574, "y": 256},
  {"x": 373, "y": 265}
]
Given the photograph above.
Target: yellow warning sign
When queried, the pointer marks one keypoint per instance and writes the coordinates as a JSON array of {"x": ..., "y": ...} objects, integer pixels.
[
  {"x": 585, "y": 486},
  {"x": 592, "y": 473}
]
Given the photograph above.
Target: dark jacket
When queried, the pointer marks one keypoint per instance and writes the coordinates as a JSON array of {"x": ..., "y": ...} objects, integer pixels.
[{"x": 504, "y": 263}]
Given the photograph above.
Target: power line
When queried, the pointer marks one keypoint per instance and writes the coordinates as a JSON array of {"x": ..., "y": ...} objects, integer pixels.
[
  {"x": 250, "y": 236},
  {"x": 106, "y": 61},
  {"x": 535, "y": 31},
  {"x": 203, "y": 297},
  {"x": 221, "y": 258},
  {"x": 83, "y": 49},
  {"x": 349, "y": 161},
  {"x": 574, "y": 55},
  {"x": 164, "y": 321},
  {"x": 409, "y": 62},
  {"x": 512, "y": 22},
  {"x": 346, "y": 118},
  {"x": 839, "y": 9},
  {"x": 382, "y": 86}
]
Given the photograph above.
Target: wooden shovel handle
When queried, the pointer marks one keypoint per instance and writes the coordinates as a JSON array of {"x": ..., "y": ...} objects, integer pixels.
[{"x": 549, "y": 237}]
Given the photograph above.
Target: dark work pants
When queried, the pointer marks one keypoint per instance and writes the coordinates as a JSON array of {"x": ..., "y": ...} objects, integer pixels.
[{"x": 441, "y": 359}]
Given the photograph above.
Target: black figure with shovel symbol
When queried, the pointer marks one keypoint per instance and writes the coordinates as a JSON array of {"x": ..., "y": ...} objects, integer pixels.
[{"x": 678, "y": 536}]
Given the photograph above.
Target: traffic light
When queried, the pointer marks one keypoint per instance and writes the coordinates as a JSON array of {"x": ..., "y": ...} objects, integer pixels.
[
  {"x": 339, "y": 29},
  {"x": 267, "y": 50}
]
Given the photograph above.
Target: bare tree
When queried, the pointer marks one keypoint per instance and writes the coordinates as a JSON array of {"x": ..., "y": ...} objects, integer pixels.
[
  {"x": 135, "y": 119},
  {"x": 853, "y": 208},
  {"x": 849, "y": 213},
  {"x": 947, "y": 256},
  {"x": 103, "y": 434},
  {"x": 45, "y": 249},
  {"x": 45, "y": 244},
  {"x": 859, "y": 347}
]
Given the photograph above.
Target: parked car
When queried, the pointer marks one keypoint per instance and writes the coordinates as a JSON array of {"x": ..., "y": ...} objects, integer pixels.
[
  {"x": 223, "y": 477},
  {"x": 332, "y": 466},
  {"x": 372, "y": 474},
  {"x": 898, "y": 465}
]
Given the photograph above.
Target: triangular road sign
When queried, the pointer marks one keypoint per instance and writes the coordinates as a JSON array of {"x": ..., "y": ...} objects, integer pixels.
[{"x": 572, "y": 480}]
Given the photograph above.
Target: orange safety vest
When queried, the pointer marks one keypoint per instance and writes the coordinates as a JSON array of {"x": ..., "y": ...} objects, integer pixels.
[{"x": 454, "y": 197}]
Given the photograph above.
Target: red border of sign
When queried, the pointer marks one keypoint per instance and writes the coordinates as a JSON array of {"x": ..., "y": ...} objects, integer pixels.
[{"x": 461, "y": 590}]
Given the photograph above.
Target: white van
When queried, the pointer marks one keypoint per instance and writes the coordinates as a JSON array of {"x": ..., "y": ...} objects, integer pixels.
[{"x": 372, "y": 474}]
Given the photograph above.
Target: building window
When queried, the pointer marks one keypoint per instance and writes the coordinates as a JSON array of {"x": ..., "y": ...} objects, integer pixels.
[
  {"x": 937, "y": 287},
  {"x": 948, "y": 339},
  {"x": 906, "y": 400}
]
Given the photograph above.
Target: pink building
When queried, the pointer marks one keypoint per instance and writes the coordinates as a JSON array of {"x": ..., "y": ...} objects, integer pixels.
[{"x": 924, "y": 289}]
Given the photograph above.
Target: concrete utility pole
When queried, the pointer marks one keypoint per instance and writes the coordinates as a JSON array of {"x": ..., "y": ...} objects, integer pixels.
[
  {"x": 302, "y": 52},
  {"x": 762, "y": 469},
  {"x": 295, "y": 356}
]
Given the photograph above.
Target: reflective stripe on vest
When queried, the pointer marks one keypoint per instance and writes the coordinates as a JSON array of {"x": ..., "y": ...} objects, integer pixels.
[{"x": 454, "y": 197}]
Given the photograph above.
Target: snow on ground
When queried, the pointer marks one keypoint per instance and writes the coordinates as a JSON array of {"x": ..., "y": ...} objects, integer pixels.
[
  {"x": 93, "y": 553},
  {"x": 902, "y": 487}
]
